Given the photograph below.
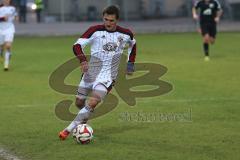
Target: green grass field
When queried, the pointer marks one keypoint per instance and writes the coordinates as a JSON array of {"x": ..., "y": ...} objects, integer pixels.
[{"x": 211, "y": 90}]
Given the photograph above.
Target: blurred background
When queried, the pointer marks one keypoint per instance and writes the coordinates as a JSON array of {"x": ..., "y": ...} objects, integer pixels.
[
  {"x": 89, "y": 10},
  {"x": 161, "y": 15}
]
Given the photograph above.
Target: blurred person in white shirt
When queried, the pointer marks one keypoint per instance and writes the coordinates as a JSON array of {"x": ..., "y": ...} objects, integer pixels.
[{"x": 7, "y": 29}]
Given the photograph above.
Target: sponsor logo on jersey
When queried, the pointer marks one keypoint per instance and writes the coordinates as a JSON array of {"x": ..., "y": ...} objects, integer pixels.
[
  {"x": 207, "y": 12},
  {"x": 110, "y": 47},
  {"x": 120, "y": 39}
]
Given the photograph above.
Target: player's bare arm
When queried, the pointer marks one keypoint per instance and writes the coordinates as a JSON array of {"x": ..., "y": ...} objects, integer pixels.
[
  {"x": 17, "y": 19},
  {"x": 84, "y": 66},
  {"x": 194, "y": 13},
  {"x": 219, "y": 14}
]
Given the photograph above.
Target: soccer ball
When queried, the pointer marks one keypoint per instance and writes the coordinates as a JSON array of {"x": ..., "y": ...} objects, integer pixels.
[{"x": 83, "y": 133}]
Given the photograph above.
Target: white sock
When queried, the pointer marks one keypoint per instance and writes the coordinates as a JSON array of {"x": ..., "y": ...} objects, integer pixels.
[
  {"x": 7, "y": 59},
  {"x": 82, "y": 116}
]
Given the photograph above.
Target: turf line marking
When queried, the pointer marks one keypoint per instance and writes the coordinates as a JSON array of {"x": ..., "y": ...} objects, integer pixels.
[{"x": 4, "y": 154}]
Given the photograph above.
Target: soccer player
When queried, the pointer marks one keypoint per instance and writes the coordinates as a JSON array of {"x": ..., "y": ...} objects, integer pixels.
[
  {"x": 7, "y": 16},
  {"x": 107, "y": 44},
  {"x": 1, "y": 36},
  {"x": 210, "y": 13}
]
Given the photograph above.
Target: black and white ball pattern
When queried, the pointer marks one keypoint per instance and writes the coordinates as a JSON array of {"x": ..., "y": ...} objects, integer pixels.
[{"x": 83, "y": 134}]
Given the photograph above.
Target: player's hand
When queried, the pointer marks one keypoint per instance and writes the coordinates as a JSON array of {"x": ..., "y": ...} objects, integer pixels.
[
  {"x": 17, "y": 19},
  {"x": 84, "y": 66},
  {"x": 199, "y": 30},
  {"x": 217, "y": 19},
  {"x": 195, "y": 16},
  {"x": 6, "y": 18},
  {"x": 130, "y": 68}
]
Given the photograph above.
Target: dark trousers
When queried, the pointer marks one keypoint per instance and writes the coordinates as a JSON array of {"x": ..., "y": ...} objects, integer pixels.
[
  {"x": 38, "y": 13},
  {"x": 22, "y": 14}
]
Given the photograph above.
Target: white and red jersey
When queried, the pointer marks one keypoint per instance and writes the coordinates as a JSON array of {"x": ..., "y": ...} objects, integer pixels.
[
  {"x": 106, "y": 50},
  {"x": 10, "y": 13}
]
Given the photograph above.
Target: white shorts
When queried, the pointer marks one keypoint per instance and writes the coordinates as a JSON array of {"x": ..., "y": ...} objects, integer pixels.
[
  {"x": 6, "y": 37},
  {"x": 101, "y": 86}
]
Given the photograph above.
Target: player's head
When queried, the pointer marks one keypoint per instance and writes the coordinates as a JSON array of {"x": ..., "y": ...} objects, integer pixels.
[
  {"x": 6, "y": 2},
  {"x": 110, "y": 17}
]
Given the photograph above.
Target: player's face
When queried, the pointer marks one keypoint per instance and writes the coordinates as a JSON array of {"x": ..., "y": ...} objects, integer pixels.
[
  {"x": 6, "y": 2},
  {"x": 110, "y": 22}
]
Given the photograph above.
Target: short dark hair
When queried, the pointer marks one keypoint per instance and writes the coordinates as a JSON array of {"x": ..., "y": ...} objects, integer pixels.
[{"x": 112, "y": 10}]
